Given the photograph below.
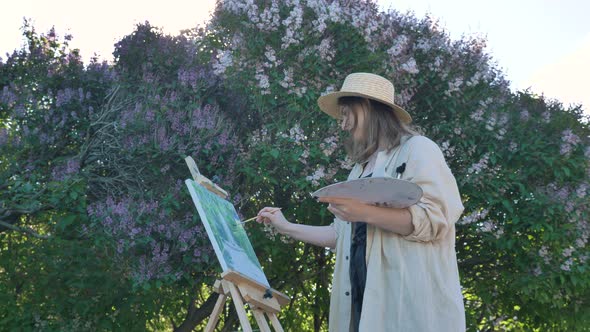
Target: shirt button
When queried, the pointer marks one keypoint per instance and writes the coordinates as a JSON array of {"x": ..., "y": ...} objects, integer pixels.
[
  {"x": 347, "y": 293},
  {"x": 346, "y": 257}
]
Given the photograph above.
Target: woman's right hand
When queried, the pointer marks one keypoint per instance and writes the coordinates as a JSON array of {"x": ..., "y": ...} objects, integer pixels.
[
  {"x": 274, "y": 216},
  {"x": 324, "y": 236}
]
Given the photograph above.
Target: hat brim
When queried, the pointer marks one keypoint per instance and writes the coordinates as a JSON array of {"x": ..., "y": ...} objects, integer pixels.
[{"x": 329, "y": 104}]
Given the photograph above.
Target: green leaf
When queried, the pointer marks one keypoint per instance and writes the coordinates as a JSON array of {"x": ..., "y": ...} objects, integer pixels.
[
  {"x": 274, "y": 153},
  {"x": 73, "y": 194},
  {"x": 66, "y": 221},
  {"x": 506, "y": 203}
]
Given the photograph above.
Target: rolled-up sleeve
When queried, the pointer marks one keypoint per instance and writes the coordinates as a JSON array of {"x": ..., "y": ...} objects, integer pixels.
[
  {"x": 337, "y": 227},
  {"x": 440, "y": 205}
]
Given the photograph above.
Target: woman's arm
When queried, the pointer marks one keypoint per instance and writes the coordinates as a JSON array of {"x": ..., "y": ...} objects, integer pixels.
[
  {"x": 323, "y": 236},
  {"x": 394, "y": 220}
]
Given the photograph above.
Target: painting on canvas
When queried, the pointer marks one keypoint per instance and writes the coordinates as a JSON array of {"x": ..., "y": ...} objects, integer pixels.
[{"x": 228, "y": 237}]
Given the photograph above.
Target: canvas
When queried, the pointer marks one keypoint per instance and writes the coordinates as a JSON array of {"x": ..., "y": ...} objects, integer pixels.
[{"x": 228, "y": 237}]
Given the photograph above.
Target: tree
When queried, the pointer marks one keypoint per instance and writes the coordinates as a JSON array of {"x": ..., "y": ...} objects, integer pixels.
[
  {"x": 522, "y": 162},
  {"x": 97, "y": 230}
]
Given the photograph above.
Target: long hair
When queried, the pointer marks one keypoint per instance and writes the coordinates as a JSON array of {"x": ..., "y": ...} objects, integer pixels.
[{"x": 381, "y": 128}]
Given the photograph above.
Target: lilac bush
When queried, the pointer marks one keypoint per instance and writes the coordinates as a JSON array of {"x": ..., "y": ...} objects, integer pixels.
[
  {"x": 519, "y": 159},
  {"x": 93, "y": 165},
  {"x": 146, "y": 239},
  {"x": 142, "y": 140},
  {"x": 94, "y": 211}
]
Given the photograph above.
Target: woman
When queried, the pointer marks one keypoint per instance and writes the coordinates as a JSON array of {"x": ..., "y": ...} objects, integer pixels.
[{"x": 396, "y": 269}]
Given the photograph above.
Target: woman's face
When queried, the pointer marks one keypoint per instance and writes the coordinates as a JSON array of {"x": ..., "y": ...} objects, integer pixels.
[{"x": 350, "y": 122}]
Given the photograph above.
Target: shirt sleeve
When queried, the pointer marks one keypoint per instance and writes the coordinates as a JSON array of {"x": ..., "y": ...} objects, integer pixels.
[
  {"x": 337, "y": 227},
  {"x": 440, "y": 205}
]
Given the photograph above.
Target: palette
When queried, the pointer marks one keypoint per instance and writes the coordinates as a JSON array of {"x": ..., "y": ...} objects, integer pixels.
[{"x": 380, "y": 191}]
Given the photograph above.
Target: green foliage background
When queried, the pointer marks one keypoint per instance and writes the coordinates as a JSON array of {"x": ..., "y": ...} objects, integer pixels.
[{"x": 98, "y": 232}]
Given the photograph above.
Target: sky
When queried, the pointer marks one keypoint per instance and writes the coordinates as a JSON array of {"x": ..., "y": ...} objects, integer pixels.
[{"x": 543, "y": 45}]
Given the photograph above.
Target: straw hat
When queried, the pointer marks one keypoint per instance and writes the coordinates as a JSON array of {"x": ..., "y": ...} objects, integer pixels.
[{"x": 365, "y": 85}]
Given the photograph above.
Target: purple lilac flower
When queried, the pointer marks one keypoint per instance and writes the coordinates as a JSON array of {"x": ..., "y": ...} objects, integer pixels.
[
  {"x": 121, "y": 219},
  {"x": 569, "y": 141},
  {"x": 73, "y": 166},
  {"x": 62, "y": 172},
  {"x": 20, "y": 111},
  {"x": 64, "y": 97},
  {"x": 175, "y": 119},
  {"x": 8, "y": 97},
  {"x": 223, "y": 138},
  {"x": 150, "y": 115},
  {"x": 562, "y": 193},
  {"x": 475, "y": 216},
  {"x": 197, "y": 253},
  {"x": 204, "y": 118},
  {"x": 81, "y": 94},
  {"x": 3, "y": 136},
  {"x": 481, "y": 165},
  {"x": 163, "y": 140}
]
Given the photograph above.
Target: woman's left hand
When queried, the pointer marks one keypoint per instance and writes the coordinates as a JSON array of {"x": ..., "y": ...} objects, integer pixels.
[{"x": 347, "y": 209}]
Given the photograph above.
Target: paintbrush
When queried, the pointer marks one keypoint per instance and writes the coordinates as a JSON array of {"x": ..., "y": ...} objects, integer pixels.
[{"x": 254, "y": 218}]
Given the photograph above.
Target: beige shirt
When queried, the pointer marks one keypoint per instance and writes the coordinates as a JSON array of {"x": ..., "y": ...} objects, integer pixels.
[{"x": 412, "y": 281}]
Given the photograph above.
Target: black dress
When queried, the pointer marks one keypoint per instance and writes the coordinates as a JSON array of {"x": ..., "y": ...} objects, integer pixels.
[{"x": 358, "y": 270}]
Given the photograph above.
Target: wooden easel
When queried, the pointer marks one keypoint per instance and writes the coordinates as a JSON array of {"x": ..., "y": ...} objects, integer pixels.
[
  {"x": 262, "y": 300},
  {"x": 241, "y": 289}
]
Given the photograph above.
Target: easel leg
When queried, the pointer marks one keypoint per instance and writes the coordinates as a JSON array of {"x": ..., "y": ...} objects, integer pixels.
[
  {"x": 275, "y": 322},
  {"x": 261, "y": 320},
  {"x": 237, "y": 298},
  {"x": 214, "y": 318}
]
